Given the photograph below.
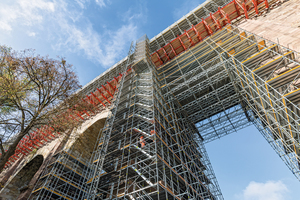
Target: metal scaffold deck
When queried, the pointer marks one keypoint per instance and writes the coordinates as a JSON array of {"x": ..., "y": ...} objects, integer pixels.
[
  {"x": 63, "y": 178},
  {"x": 175, "y": 93}
]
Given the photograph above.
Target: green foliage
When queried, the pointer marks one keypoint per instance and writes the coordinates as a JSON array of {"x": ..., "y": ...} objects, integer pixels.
[{"x": 33, "y": 92}]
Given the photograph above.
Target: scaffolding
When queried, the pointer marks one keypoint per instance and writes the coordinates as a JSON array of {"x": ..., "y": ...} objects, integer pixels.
[
  {"x": 234, "y": 69},
  {"x": 63, "y": 178},
  {"x": 151, "y": 153},
  {"x": 173, "y": 95}
]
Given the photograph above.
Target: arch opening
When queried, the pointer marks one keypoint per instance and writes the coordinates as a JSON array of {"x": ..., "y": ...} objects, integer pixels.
[
  {"x": 20, "y": 183},
  {"x": 83, "y": 146},
  {"x": 68, "y": 169}
]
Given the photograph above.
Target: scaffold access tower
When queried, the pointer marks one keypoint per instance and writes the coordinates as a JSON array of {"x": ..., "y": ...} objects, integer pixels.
[{"x": 151, "y": 151}]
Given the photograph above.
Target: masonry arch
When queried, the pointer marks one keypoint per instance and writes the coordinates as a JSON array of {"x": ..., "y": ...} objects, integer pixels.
[
  {"x": 84, "y": 143},
  {"x": 19, "y": 184}
]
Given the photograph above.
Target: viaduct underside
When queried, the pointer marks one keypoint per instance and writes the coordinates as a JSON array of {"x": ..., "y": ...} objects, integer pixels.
[{"x": 172, "y": 95}]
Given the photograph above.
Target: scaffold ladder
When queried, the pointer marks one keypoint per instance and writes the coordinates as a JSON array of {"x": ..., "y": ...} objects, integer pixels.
[{"x": 100, "y": 153}]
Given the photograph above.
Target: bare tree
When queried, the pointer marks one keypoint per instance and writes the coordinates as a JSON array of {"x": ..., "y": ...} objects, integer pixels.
[{"x": 35, "y": 92}]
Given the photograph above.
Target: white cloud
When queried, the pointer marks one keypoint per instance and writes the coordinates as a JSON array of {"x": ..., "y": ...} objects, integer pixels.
[
  {"x": 81, "y": 3},
  {"x": 101, "y": 3},
  {"x": 118, "y": 44},
  {"x": 105, "y": 47},
  {"x": 7, "y": 15},
  {"x": 139, "y": 12},
  {"x": 67, "y": 29},
  {"x": 31, "y": 34},
  {"x": 24, "y": 12},
  {"x": 5, "y": 26},
  {"x": 270, "y": 190}
]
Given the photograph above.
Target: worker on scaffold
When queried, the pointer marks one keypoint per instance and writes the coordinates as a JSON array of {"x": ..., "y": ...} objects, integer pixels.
[{"x": 142, "y": 141}]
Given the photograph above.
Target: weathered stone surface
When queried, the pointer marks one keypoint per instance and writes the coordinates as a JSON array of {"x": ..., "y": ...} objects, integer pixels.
[
  {"x": 280, "y": 24},
  {"x": 20, "y": 182},
  {"x": 82, "y": 140}
]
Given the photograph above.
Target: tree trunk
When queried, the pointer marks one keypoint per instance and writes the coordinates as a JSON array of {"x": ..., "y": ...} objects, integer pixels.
[{"x": 11, "y": 150}]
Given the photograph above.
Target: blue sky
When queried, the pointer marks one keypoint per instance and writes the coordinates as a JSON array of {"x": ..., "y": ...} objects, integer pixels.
[
  {"x": 91, "y": 34},
  {"x": 94, "y": 34}
]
